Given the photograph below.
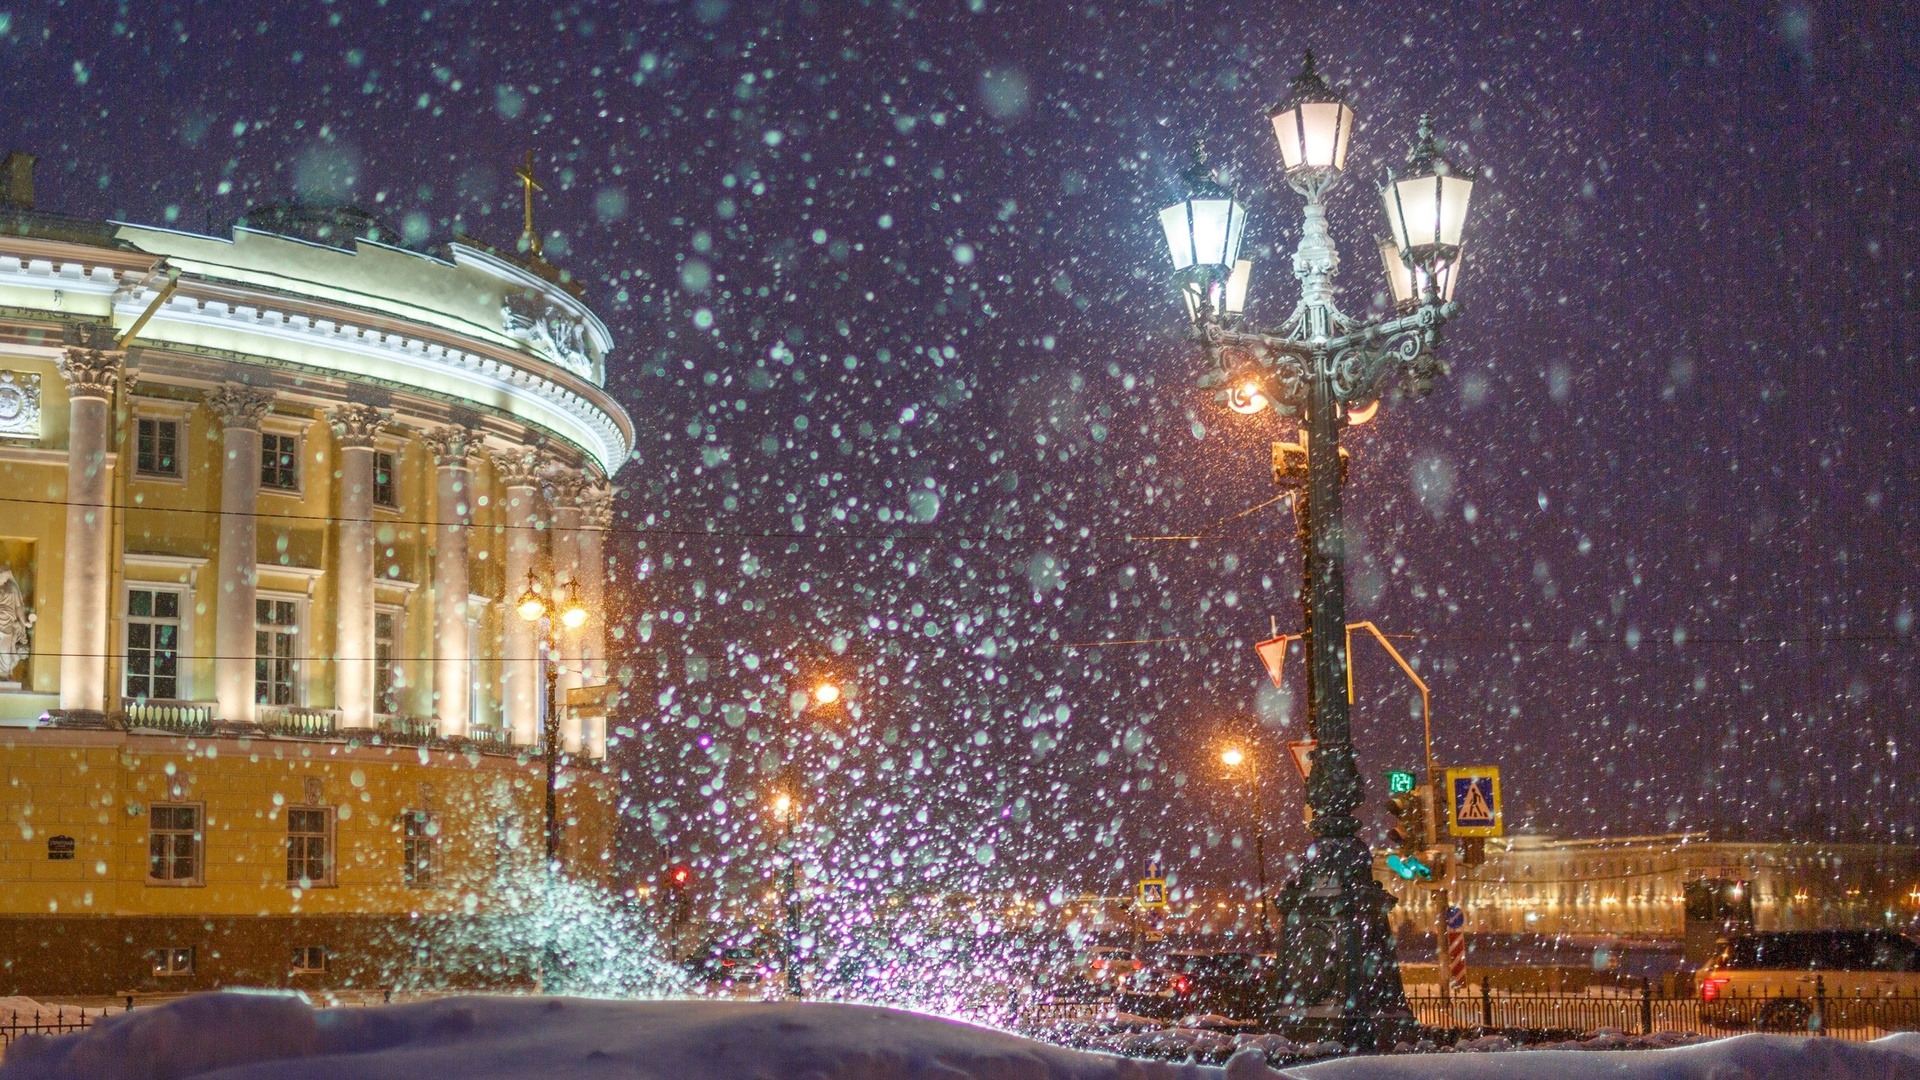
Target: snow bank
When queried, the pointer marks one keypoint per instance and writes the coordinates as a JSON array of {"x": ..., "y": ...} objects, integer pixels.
[
  {"x": 277, "y": 1037},
  {"x": 240, "y": 1036},
  {"x": 1744, "y": 1057}
]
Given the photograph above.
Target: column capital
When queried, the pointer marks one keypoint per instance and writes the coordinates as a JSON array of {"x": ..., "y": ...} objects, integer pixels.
[
  {"x": 240, "y": 406},
  {"x": 598, "y": 503},
  {"x": 569, "y": 486},
  {"x": 357, "y": 425},
  {"x": 519, "y": 467},
  {"x": 91, "y": 365},
  {"x": 451, "y": 445}
]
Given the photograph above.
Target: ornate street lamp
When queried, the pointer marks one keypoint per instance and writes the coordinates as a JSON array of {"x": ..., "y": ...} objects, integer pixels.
[
  {"x": 534, "y": 606},
  {"x": 1204, "y": 231},
  {"x": 1328, "y": 370}
]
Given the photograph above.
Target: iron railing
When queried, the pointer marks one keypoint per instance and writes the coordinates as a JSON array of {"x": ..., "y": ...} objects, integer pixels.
[
  {"x": 56, "y": 1021},
  {"x": 1811, "y": 1011},
  {"x": 176, "y": 717}
]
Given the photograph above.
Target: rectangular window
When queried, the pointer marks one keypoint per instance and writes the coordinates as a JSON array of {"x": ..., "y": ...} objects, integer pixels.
[
  {"x": 309, "y": 845},
  {"x": 384, "y": 493},
  {"x": 386, "y": 666},
  {"x": 420, "y": 830},
  {"x": 157, "y": 447},
  {"x": 308, "y": 959},
  {"x": 173, "y": 844},
  {"x": 173, "y": 961},
  {"x": 280, "y": 462},
  {"x": 153, "y": 644},
  {"x": 276, "y": 630}
]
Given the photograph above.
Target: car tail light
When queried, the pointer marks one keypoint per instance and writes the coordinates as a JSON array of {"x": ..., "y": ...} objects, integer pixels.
[
  {"x": 1182, "y": 984},
  {"x": 1710, "y": 988}
]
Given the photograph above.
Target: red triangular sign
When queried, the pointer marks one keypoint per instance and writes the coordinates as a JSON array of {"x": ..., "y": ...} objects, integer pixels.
[
  {"x": 1273, "y": 653},
  {"x": 1302, "y": 756}
]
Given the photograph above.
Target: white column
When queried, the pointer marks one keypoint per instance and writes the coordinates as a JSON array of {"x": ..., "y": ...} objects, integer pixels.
[
  {"x": 240, "y": 409},
  {"x": 354, "y": 429},
  {"x": 520, "y": 682},
  {"x": 598, "y": 518},
  {"x": 568, "y": 487},
  {"x": 91, "y": 367},
  {"x": 452, "y": 649}
]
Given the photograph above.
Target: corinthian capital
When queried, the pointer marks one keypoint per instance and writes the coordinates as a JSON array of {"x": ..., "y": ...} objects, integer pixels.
[
  {"x": 451, "y": 445},
  {"x": 597, "y": 501},
  {"x": 569, "y": 486},
  {"x": 519, "y": 467},
  {"x": 240, "y": 406},
  {"x": 91, "y": 365},
  {"x": 357, "y": 425}
]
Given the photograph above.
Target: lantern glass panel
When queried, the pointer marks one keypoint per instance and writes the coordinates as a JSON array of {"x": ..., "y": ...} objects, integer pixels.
[{"x": 1235, "y": 300}]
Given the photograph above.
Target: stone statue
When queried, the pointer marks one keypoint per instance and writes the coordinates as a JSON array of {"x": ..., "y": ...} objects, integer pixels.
[{"x": 16, "y": 625}]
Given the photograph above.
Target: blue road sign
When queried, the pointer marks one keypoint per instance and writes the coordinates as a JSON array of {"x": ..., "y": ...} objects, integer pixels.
[
  {"x": 1456, "y": 919},
  {"x": 1153, "y": 869}
]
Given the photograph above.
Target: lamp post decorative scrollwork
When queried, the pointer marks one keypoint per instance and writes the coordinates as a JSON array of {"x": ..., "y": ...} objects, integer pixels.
[{"x": 1320, "y": 366}]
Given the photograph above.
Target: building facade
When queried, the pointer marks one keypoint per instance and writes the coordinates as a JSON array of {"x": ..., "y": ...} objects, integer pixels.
[
  {"x": 1634, "y": 887},
  {"x": 267, "y": 504}
]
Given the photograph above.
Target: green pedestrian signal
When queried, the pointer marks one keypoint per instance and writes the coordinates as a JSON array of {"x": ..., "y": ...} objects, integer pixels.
[{"x": 1400, "y": 781}]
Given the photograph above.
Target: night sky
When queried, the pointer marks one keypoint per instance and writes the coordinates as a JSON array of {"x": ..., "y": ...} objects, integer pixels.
[{"x": 892, "y": 320}]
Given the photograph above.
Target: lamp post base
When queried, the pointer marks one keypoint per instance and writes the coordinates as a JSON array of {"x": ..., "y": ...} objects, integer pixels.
[{"x": 1339, "y": 979}]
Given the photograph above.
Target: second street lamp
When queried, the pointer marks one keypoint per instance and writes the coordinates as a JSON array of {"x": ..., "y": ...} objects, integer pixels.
[
  {"x": 1323, "y": 366},
  {"x": 1233, "y": 757},
  {"x": 535, "y": 606}
]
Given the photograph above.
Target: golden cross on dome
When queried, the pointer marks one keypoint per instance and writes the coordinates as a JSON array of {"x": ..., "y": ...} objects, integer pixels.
[{"x": 526, "y": 178}]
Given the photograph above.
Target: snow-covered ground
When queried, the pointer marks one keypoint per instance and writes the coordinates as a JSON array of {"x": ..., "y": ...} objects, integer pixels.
[{"x": 241, "y": 1036}]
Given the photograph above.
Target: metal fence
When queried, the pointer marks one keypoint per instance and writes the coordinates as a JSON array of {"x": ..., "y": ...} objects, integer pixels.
[
  {"x": 1814, "y": 1012},
  {"x": 14, "y": 1024}
]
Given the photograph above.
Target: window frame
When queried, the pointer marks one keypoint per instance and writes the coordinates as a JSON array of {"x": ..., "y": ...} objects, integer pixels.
[
  {"x": 395, "y": 667},
  {"x": 140, "y": 455},
  {"x": 302, "y": 960},
  {"x": 328, "y": 850},
  {"x": 162, "y": 960},
  {"x": 182, "y": 595},
  {"x": 297, "y": 632},
  {"x": 392, "y": 485},
  {"x": 277, "y": 428},
  {"x": 420, "y": 830},
  {"x": 199, "y": 845}
]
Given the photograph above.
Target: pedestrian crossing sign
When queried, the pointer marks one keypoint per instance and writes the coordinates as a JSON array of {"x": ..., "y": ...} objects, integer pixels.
[{"x": 1473, "y": 808}]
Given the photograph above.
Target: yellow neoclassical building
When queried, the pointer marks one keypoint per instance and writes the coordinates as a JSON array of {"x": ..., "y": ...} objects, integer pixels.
[{"x": 267, "y": 502}]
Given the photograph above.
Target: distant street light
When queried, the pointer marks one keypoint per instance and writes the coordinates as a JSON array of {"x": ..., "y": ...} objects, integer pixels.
[
  {"x": 1328, "y": 369},
  {"x": 1233, "y": 757},
  {"x": 534, "y": 606},
  {"x": 785, "y": 810},
  {"x": 826, "y": 693}
]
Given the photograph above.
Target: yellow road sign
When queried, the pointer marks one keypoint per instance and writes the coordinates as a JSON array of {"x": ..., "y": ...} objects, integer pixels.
[{"x": 1473, "y": 801}]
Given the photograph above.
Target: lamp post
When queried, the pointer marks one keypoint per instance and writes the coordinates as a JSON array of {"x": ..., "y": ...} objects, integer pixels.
[
  {"x": 785, "y": 810},
  {"x": 534, "y": 606},
  {"x": 1323, "y": 367},
  {"x": 1233, "y": 757}
]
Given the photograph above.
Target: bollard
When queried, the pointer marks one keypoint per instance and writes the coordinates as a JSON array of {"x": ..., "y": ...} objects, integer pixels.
[
  {"x": 129, "y": 1002},
  {"x": 389, "y": 995},
  {"x": 1486, "y": 1004},
  {"x": 1817, "y": 1020},
  {"x": 1646, "y": 1006}
]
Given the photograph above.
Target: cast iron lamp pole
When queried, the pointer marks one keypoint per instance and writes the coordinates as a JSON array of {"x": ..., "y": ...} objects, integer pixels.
[
  {"x": 1341, "y": 975},
  {"x": 533, "y": 607}
]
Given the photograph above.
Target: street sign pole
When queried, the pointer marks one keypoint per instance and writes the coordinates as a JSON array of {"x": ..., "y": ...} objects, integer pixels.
[{"x": 1439, "y": 895}]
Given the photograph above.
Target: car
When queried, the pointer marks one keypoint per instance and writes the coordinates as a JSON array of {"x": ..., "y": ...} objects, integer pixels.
[
  {"x": 1229, "y": 983},
  {"x": 1776, "y": 981},
  {"x": 729, "y": 965},
  {"x": 1106, "y": 964}
]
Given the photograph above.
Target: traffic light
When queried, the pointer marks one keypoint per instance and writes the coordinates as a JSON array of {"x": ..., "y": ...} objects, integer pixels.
[
  {"x": 1408, "y": 836},
  {"x": 679, "y": 877}
]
